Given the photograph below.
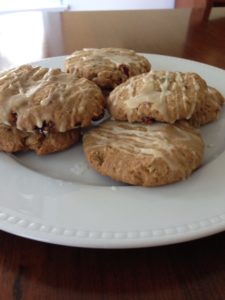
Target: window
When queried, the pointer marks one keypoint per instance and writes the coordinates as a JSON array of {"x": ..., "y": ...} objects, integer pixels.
[
  {"x": 90, "y": 5},
  {"x": 25, "y": 5}
]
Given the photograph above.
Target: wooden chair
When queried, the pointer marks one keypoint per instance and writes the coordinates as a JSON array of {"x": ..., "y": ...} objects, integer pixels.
[{"x": 201, "y": 8}]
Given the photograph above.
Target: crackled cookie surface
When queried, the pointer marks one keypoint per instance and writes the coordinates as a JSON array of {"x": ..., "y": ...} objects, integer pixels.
[
  {"x": 145, "y": 155},
  {"x": 13, "y": 140},
  {"x": 209, "y": 110},
  {"x": 158, "y": 95},
  {"x": 107, "y": 67},
  {"x": 34, "y": 98}
]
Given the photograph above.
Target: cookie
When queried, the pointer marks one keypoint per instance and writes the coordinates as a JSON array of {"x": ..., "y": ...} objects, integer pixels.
[
  {"x": 158, "y": 95},
  {"x": 35, "y": 98},
  {"x": 140, "y": 154},
  {"x": 107, "y": 67},
  {"x": 13, "y": 140},
  {"x": 209, "y": 111}
]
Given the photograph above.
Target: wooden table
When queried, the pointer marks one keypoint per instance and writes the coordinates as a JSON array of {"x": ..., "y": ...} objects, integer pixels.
[{"x": 192, "y": 270}]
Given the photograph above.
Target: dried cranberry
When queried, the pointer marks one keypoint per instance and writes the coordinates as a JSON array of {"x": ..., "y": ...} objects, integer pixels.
[
  {"x": 124, "y": 69},
  {"x": 147, "y": 120}
]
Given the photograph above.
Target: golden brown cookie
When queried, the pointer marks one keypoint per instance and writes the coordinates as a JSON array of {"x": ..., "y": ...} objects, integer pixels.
[
  {"x": 148, "y": 155},
  {"x": 158, "y": 95},
  {"x": 107, "y": 67},
  {"x": 36, "y": 97},
  {"x": 13, "y": 140},
  {"x": 209, "y": 110}
]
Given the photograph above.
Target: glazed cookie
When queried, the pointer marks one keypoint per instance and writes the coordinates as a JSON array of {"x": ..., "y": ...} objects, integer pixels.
[
  {"x": 145, "y": 155},
  {"x": 209, "y": 111},
  {"x": 35, "y": 98},
  {"x": 107, "y": 67},
  {"x": 158, "y": 95},
  {"x": 13, "y": 140}
]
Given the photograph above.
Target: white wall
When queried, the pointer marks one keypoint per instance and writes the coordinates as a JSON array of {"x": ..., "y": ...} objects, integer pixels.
[{"x": 84, "y": 5}]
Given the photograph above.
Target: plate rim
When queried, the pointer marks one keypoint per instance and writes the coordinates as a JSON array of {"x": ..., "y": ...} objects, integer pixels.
[{"x": 38, "y": 231}]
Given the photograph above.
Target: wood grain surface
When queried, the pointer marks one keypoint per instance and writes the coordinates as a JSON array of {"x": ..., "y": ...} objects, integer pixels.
[
  {"x": 34, "y": 270},
  {"x": 195, "y": 270}
]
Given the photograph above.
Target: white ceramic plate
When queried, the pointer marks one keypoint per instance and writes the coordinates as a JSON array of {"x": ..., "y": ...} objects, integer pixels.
[{"x": 59, "y": 199}]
